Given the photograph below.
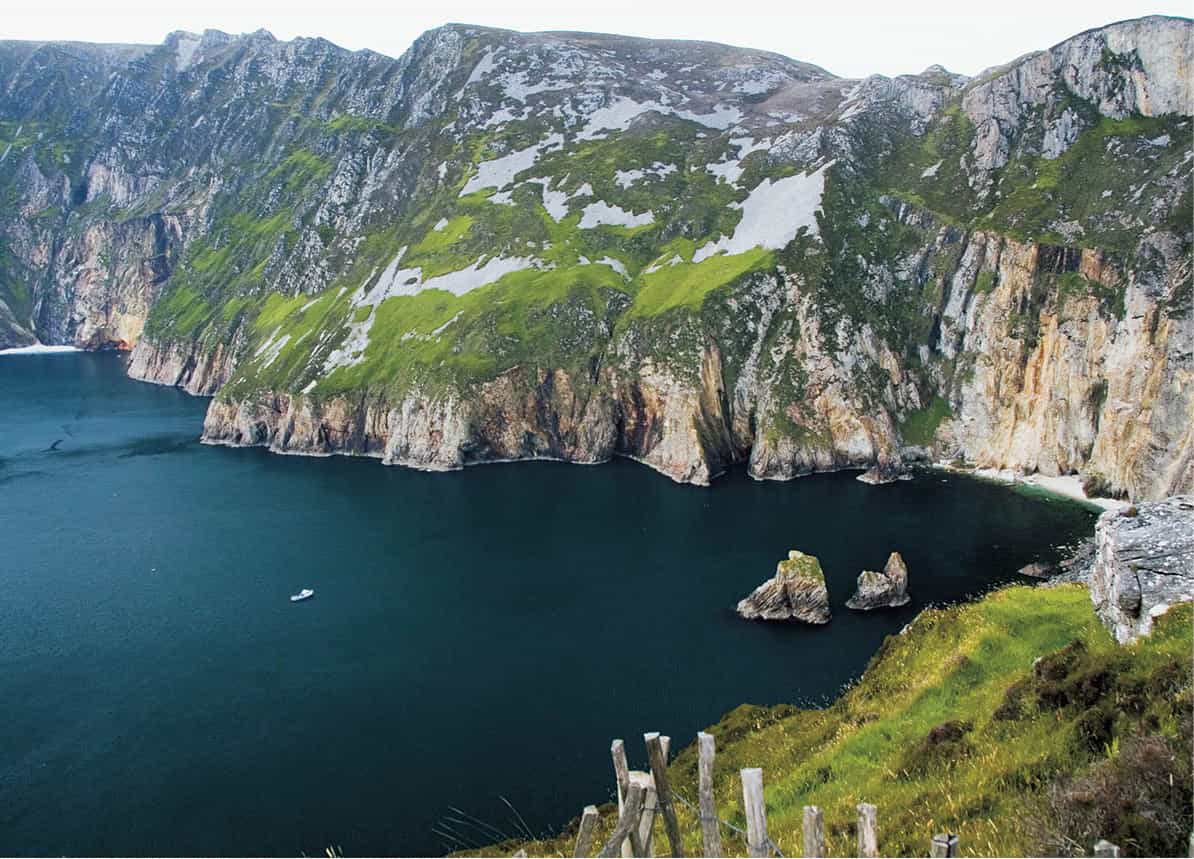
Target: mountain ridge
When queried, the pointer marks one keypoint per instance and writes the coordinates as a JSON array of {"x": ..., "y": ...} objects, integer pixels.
[{"x": 504, "y": 246}]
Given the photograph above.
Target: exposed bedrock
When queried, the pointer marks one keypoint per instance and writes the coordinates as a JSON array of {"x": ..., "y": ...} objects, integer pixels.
[
  {"x": 1111, "y": 399},
  {"x": 1143, "y": 564}
]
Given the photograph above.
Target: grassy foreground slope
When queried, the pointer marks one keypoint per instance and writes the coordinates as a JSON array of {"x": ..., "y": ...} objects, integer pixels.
[{"x": 1014, "y": 721}]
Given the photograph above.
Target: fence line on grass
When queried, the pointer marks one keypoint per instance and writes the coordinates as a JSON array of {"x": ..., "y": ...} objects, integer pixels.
[{"x": 644, "y": 795}]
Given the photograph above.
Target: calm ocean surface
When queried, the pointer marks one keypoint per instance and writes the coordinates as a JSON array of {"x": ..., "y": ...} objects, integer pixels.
[{"x": 476, "y": 635}]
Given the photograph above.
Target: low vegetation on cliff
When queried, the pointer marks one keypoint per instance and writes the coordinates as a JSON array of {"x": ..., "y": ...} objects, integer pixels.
[
  {"x": 1015, "y": 721},
  {"x": 508, "y": 246}
]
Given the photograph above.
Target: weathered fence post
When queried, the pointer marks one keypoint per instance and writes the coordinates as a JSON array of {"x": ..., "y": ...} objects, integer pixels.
[
  {"x": 814, "y": 831},
  {"x": 664, "y": 792},
  {"x": 646, "y": 829},
  {"x": 622, "y": 774},
  {"x": 756, "y": 812},
  {"x": 584, "y": 837},
  {"x": 646, "y": 824},
  {"x": 944, "y": 845},
  {"x": 868, "y": 838},
  {"x": 710, "y": 832},
  {"x": 627, "y": 822},
  {"x": 1103, "y": 847}
]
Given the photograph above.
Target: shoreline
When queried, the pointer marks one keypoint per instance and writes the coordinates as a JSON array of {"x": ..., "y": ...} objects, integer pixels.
[
  {"x": 40, "y": 349},
  {"x": 1067, "y": 486}
]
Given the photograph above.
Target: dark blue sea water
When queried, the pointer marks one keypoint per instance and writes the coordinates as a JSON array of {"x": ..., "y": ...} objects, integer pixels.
[{"x": 473, "y": 636}]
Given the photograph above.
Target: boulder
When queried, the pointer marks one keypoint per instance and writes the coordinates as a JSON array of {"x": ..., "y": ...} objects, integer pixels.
[
  {"x": 884, "y": 473},
  {"x": 887, "y": 589},
  {"x": 1038, "y": 570},
  {"x": 797, "y": 592},
  {"x": 1143, "y": 564}
]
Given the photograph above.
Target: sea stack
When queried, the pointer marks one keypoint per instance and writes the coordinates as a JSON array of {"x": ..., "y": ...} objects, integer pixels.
[
  {"x": 797, "y": 592},
  {"x": 887, "y": 589}
]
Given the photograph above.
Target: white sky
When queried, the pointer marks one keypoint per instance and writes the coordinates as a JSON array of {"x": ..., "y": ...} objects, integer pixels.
[{"x": 864, "y": 37}]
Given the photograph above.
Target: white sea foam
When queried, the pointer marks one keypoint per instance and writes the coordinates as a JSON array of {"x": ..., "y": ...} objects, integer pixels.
[{"x": 39, "y": 349}]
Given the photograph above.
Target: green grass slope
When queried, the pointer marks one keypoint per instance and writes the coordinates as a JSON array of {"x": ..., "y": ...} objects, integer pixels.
[{"x": 1014, "y": 721}]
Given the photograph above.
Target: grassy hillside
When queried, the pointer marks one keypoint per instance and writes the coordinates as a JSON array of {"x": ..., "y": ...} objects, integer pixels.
[{"x": 1014, "y": 721}]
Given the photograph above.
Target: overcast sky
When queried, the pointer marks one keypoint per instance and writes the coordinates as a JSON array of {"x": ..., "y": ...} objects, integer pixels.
[{"x": 855, "y": 39}]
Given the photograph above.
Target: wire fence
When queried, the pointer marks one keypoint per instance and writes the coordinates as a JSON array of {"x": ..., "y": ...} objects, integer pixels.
[{"x": 741, "y": 833}]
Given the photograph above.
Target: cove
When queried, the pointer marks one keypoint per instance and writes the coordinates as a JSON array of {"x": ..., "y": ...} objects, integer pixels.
[{"x": 474, "y": 636}]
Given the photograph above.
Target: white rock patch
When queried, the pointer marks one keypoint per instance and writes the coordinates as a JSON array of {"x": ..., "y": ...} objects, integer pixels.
[
  {"x": 352, "y": 350},
  {"x": 500, "y": 172},
  {"x": 275, "y": 349},
  {"x": 600, "y": 212},
  {"x": 930, "y": 172},
  {"x": 626, "y": 178},
  {"x": 731, "y": 168},
  {"x": 186, "y": 51},
  {"x": 476, "y": 275},
  {"x": 616, "y": 265},
  {"x": 483, "y": 67},
  {"x": 773, "y": 214},
  {"x": 618, "y": 115}
]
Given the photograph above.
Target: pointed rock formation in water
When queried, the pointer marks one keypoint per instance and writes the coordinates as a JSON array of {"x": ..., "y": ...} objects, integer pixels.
[
  {"x": 797, "y": 592},
  {"x": 887, "y": 589}
]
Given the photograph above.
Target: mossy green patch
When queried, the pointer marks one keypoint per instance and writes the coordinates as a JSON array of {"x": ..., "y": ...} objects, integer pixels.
[
  {"x": 920, "y": 427},
  {"x": 686, "y": 284},
  {"x": 531, "y": 318}
]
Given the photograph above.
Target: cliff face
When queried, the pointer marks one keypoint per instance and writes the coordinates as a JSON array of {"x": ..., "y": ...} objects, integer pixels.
[
  {"x": 1143, "y": 565},
  {"x": 507, "y": 246}
]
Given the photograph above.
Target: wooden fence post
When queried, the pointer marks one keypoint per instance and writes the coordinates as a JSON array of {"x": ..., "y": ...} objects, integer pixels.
[
  {"x": 664, "y": 791},
  {"x": 622, "y": 773},
  {"x": 710, "y": 831},
  {"x": 1103, "y": 847},
  {"x": 868, "y": 838},
  {"x": 756, "y": 812},
  {"x": 646, "y": 824},
  {"x": 627, "y": 822},
  {"x": 584, "y": 837},
  {"x": 646, "y": 829},
  {"x": 814, "y": 831},
  {"x": 944, "y": 845}
]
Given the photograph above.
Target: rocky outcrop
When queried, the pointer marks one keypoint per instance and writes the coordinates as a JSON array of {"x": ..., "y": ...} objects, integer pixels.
[
  {"x": 516, "y": 417},
  {"x": 1143, "y": 564},
  {"x": 198, "y": 369},
  {"x": 878, "y": 475},
  {"x": 888, "y": 589},
  {"x": 1131, "y": 67},
  {"x": 796, "y": 592}
]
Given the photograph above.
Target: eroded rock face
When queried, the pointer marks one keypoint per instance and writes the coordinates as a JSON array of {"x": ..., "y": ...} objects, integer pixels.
[
  {"x": 879, "y": 333},
  {"x": 797, "y": 592},
  {"x": 1144, "y": 563},
  {"x": 887, "y": 589}
]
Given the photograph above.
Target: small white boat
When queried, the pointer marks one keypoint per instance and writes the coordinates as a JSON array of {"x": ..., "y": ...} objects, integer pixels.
[{"x": 304, "y": 594}]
